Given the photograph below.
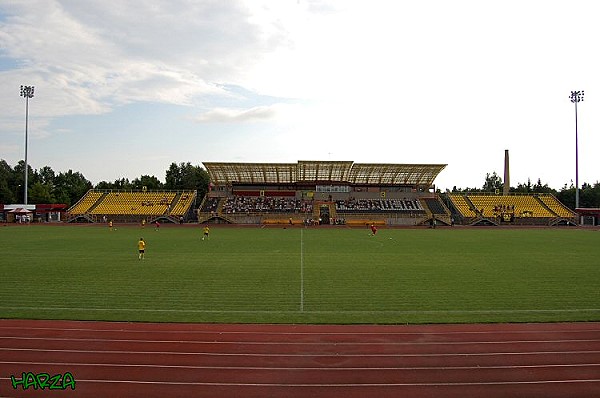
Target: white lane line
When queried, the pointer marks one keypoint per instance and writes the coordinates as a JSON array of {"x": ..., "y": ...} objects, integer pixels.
[
  {"x": 416, "y": 330},
  {"x": 303, "y": 368},
  {"x": 302, "y": 343},
  {"x": 321, "y": 385},
  {"x": 335, "y": 355}
]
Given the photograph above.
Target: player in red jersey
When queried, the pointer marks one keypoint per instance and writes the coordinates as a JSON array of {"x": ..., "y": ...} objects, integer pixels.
[{"x": 373, "y": 229}]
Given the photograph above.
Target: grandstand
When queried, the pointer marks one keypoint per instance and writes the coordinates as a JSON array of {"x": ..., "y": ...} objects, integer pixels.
[
  {"x": 86, "y": 203},
  {"x": 322, "y": 192},
  {"x": 516, "y": 209},
  {"x": 133, "y": 206}
]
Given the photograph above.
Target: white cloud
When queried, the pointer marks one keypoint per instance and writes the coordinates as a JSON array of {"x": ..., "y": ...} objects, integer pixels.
[
  {"x": 90, "y": 56},
  {"x": 228, "y": 115},
  {"x": 392, "y": 81}
]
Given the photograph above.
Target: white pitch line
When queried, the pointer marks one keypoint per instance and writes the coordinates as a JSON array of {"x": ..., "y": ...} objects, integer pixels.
[{"x": 317, "y": 312}]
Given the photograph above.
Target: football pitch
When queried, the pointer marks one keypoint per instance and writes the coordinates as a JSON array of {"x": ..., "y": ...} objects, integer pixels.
[{"x": 300, "y": 275}]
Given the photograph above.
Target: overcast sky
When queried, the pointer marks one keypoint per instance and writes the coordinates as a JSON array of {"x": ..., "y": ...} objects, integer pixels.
[{"x": 124, "y": 88}]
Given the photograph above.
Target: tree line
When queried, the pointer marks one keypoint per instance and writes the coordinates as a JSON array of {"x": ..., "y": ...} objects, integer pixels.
[{"x": 47, "y": 186}]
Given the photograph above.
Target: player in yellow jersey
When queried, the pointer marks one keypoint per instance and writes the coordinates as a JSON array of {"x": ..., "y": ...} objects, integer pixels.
[
  {"x": 206, "y": 231},
  {"x": 141, "y": 248}
]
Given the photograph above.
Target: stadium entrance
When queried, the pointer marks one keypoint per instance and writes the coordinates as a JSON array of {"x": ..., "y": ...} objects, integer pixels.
[{"x": 324, "y": 215}]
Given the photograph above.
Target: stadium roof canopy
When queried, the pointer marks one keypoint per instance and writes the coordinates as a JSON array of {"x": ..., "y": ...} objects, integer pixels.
[{"x": 323, "y": 171}]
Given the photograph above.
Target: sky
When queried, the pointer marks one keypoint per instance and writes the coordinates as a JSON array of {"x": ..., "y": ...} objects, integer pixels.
[{"x": 125, "y": 88}]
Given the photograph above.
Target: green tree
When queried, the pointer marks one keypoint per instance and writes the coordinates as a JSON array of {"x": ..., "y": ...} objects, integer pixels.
[
  {"x": 542, "y": 188},
  {"x": 46, "y": 176},
  {"x": 538, "y": 187},
  {"x": 18, "y": 180},
  {"x": 40, "y": 193},
  {"x": 589, "y": 195},
  {"x": 70, "y": 187},
  {"x": 104, "y": 185},
  {"x": 7, "y": 184},
  {"x": 567, "y": 195},
  {"x": 186, "y": 176},
  {"x": 173, "y": 177},
  {"x": 492, "y": 182},
  {"x": 150, "y": 182},
  {"x": 122, "y": 183},
  {"x": 524, "y": 188}
]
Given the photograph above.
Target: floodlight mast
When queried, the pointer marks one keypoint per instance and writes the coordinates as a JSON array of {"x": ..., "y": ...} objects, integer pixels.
[
  {"x": 26, "y": 92},
  {"x": 576, "y": 96}
]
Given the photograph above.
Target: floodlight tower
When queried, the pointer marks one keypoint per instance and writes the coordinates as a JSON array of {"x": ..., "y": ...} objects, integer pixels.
[
  {"x": 576, "y": 96},
  {"x": 26, "y": 92}
]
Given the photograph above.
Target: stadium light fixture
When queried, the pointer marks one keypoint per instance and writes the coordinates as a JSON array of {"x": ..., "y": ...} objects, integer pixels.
[
  {"x": 576, "y": 96},
  {"x": 26, "y": 92}
]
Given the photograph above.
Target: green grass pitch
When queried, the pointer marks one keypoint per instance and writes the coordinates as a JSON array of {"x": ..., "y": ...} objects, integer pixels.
[{"x": 298, "y": 275}]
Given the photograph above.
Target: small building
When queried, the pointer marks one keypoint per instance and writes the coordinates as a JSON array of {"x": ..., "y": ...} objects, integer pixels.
[
  {"x": 53, "y": 212},
  {"x": 589, "y": 216},
  {"x": 20, "y": 213}
]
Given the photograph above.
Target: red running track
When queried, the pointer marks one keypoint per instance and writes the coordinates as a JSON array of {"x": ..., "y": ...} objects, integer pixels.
[{"x": 207, "y": 360}]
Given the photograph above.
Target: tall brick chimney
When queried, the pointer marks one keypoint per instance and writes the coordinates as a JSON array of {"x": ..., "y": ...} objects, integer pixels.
[{"x": 506, "y": 174}]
